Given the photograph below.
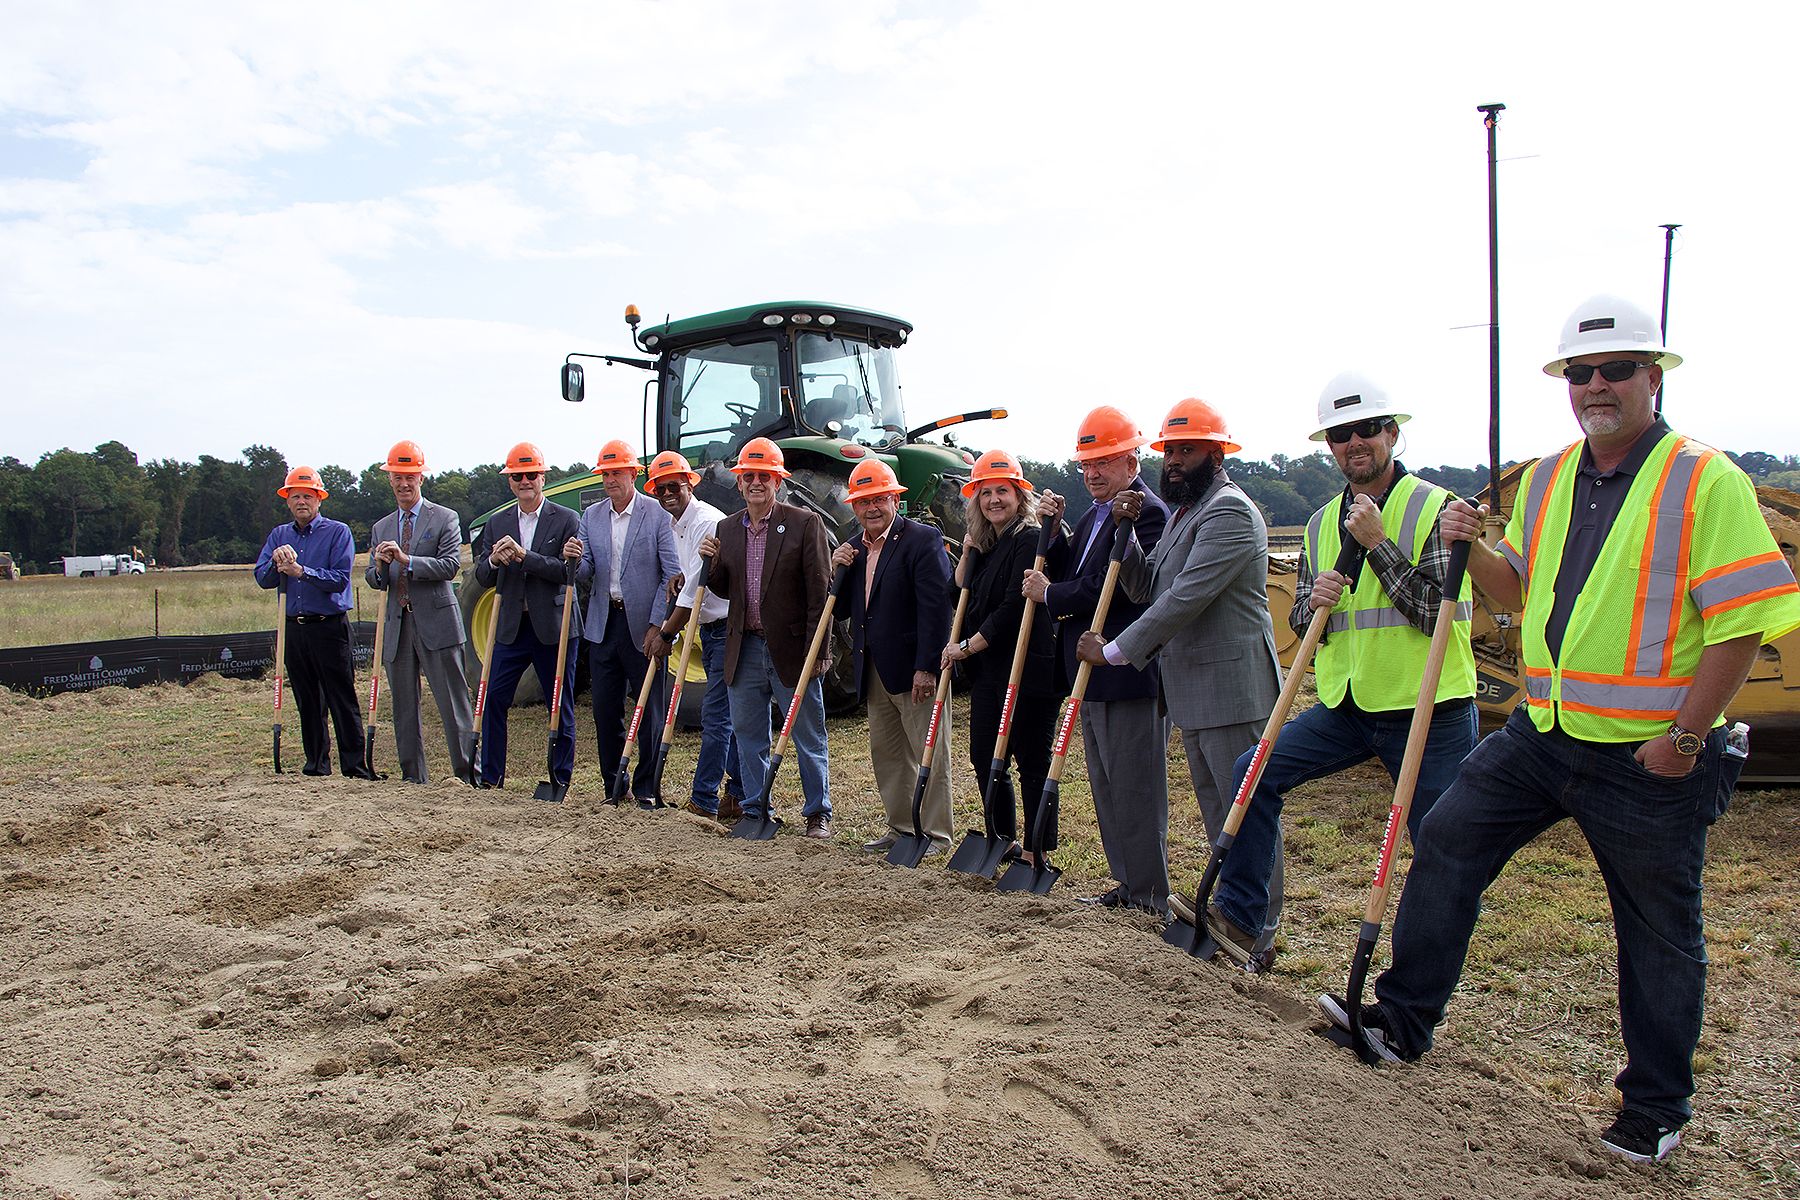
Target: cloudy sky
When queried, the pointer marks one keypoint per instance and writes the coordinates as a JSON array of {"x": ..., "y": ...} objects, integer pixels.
[{"x": 324, "y": 227}]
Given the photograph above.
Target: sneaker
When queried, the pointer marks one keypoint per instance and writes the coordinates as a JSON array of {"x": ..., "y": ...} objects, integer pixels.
[
  {"x": 1376, "y": 1034},
  {"x": 1640, "y": 1137},
  {"x": 883, "y": 843},
  {"x": 819, "y": 826},
  {"x": 937, "y": 848},
  {"x": 1181, "y": 908}
]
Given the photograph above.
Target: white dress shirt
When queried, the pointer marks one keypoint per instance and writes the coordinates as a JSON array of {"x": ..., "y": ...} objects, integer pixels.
[{"x": 701, "y": 520}]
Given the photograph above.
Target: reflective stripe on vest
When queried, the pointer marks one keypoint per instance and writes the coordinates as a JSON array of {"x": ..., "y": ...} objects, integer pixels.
[
  {"x": 1644, "y": 695},
  {"x": 1375, "y": 655}
]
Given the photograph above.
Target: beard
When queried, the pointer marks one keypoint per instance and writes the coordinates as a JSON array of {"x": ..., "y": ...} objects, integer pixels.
[{"x": 1190, "y": 486}]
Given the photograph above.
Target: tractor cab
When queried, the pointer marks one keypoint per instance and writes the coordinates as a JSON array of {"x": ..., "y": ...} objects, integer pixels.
[{"x": 821, "y": 380}]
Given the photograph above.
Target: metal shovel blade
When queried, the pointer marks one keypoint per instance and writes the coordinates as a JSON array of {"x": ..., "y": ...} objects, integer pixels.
[
  {"x": 1023, "y": 877},
  {"x": 908, "y": 850},
  {"x": 550, "y": 791},
  {"x": 979, "y": 854},
  {"x": 759, "y": 828}
]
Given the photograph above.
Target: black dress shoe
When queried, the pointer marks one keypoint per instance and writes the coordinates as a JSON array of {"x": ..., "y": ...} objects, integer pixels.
[
  {"x": 358, "y": 773},
  {"x": 1112, "y": 899}
]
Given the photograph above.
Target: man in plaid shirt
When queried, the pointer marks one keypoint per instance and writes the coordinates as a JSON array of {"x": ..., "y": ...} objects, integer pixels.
[{"x": 1383, "y": 608}]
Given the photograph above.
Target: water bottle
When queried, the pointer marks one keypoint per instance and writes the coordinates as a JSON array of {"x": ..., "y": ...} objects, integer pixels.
[{"x": 1737, "y": 741}]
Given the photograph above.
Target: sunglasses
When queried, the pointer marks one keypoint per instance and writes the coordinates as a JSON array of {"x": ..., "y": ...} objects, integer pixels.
[
  {"x": 1616, "y": 371},
  {"x": 528, "y": 476},
  {"x": 1340, "y": 434}
]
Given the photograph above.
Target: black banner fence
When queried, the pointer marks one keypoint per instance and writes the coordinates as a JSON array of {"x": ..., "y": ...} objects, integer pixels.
[{"x": 135, "y": 662}]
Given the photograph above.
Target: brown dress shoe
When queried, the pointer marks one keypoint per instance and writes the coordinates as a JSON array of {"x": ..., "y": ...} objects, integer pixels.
[
  {"x": 819, "y": 826},
  {"x": 690, "y": 806},
  {"x": 730, "y": 808}
]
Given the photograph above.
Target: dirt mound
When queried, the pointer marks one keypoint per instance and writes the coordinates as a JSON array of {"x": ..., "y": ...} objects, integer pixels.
[{"x": 310, "y": 987}]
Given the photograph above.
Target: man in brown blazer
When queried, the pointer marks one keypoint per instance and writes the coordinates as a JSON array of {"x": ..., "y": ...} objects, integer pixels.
[{"x": 771, "y": 563}]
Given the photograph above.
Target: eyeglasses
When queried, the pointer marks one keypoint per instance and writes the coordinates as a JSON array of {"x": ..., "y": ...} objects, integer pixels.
[
  {"x": 1616, "y": 371},
  {"x": 528, "y": 476},
  {"x": 1340, "y": 434}
]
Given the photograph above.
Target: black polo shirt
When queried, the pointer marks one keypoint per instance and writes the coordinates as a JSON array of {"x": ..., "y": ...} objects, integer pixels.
[{"x": 1599, "y": 498}]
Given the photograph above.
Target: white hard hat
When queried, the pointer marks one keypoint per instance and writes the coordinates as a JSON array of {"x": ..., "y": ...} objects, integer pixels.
[
  {"x": 1603, "y": 324},
  {"x": 1353, "y": 396}
]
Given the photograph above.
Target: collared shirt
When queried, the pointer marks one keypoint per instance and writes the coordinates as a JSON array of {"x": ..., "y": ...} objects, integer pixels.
[
  {"x": 326, "y": 553},
  {"x": 756, "y": 546},
  {"x": 621, "y": 529},
  {"x": 1102, "y": 522},
  {"x": 1415, "y": 588},
  {"x": 699, "y": 520},
  {"x": 872, "y": 555},
  {"x": 1599, "y": 498},
  {"x": 528, "y": 526}
]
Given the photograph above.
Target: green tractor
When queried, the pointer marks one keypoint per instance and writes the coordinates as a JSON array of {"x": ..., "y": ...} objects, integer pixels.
[{"x": 820, "y": 380}]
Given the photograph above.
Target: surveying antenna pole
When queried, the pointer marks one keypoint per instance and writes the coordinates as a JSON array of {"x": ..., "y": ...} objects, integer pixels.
[
  {"x": 1491, "y": 119},
  {"x": 1668, "y": 254}
]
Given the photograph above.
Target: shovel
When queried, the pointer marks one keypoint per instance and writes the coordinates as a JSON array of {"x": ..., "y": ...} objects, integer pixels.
[
  {"x": 982, "y": 851},
  {"x": 1194, "y": 938},
  {"x": 374, "y": 694},
  {"x": 761, "y": 828},
  {"x": 553, "y": 790},
  {"x": 1041, "y": 877},
  {"x": 689, "y": 637},
  {"x": 909, "y": 849},
  {"x": 280, "y": 658},
  {"x": 1376, "y": 909},
  {"x": 487, "y": 668},
  {"x": 622, "y": 778}
]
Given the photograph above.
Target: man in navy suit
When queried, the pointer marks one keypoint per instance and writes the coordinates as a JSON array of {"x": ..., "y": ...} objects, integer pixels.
[
  {"x": 627, "y": 558},
  {"x": 521, "y": 554},
  {"x": 1127, "y": 740},
  {"x": 899, "y": 585}
]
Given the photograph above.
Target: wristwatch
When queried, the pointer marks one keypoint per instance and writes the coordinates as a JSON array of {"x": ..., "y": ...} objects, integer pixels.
[{"x": 1686, "y": 741}]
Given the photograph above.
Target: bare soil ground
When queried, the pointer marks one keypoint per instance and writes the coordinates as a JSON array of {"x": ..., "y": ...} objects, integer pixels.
[{"x": 219, "y": 982}]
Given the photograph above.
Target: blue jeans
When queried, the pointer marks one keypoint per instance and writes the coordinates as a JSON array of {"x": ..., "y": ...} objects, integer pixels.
[
  {"x": 1323, "y": 741},
  {"x": 718, "y": 748},
  {"x": 1648, "y": 836},
  {"x": 754, "y": 690},
  {"x": 510, "y": 660}
]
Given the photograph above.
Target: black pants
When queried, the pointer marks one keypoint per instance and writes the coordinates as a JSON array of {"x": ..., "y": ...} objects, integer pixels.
[
  {"x": 1033, "y": 727},
  {"x": 322, "y": 676},
  {"x": 616, "y": 667}
]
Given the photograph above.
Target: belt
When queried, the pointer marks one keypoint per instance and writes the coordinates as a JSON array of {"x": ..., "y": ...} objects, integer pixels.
[
  {"x": 617, "y": 605},
  {"x": 406, "y": 608},
  {"x": 314, "y": 618},
  {"x": 714, "y": 624}
]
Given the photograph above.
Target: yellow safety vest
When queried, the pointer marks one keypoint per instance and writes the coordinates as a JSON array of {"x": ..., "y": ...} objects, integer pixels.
[
  {"x": 1689, "y": 562},
  {"x": 1372, "y": 650}
]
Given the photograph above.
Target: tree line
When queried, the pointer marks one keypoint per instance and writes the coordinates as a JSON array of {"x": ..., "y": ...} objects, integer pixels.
[{"x": 220, "y": 510}]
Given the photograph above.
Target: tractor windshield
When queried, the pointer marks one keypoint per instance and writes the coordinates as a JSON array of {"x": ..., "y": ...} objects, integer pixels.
[
  {"x": 721, "y": 396},
  {"x": 850, "y": 384}
]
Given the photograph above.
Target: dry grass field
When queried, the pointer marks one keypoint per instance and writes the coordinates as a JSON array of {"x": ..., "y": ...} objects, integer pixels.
[{"x": 223, "y": 982}]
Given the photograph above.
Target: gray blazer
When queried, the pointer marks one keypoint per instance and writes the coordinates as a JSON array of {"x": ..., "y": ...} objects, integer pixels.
[
  {"x": 436, "y": 560},
  {"x": 1208, "y": 621},
  {"x": 650, "y": 562}
]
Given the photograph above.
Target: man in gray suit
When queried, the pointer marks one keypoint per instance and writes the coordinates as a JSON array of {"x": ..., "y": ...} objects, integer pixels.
[
  {"x": 628, "y": 557},
  {"x": 1208, "y": 620},
  {"x": 417, "y": 551}
]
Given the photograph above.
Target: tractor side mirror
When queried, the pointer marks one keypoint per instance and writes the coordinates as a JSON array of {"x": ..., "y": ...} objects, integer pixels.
[{"x": 573, "y": 382}]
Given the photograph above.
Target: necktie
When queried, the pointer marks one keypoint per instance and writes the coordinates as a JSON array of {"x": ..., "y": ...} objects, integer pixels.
[{"x": 402, "y": 588}]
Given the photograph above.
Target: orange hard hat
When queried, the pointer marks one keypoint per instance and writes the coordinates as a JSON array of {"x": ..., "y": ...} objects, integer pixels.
[
  {"x": 995, "y": 464},
  {"x": 871, "y": 479},
  {"x": 305, "y": 478},
  {"x": 668, "y": 463},
  {"x": 1194, "y": 420},
  {"x": 760, "y": 454},
  {"x": 524, "y": 457},
  {"x": 1105, "y": 432},
  {"x": 617, "y": 455},
  {"x": 406, "y": 459}
]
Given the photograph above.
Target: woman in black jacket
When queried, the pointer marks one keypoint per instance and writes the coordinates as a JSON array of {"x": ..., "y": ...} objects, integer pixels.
[{"x": 1002, "y": 542}]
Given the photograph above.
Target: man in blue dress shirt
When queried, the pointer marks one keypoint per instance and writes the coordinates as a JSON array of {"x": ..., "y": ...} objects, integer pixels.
[{"x": 311, "y": 559}]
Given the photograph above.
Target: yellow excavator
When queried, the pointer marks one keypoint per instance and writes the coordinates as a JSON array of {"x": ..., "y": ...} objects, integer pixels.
[{"x": 1769, "y": 702}]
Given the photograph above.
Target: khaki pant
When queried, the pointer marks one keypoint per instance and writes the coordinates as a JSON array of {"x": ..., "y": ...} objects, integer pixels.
[{"x": 897, "y": 731}]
